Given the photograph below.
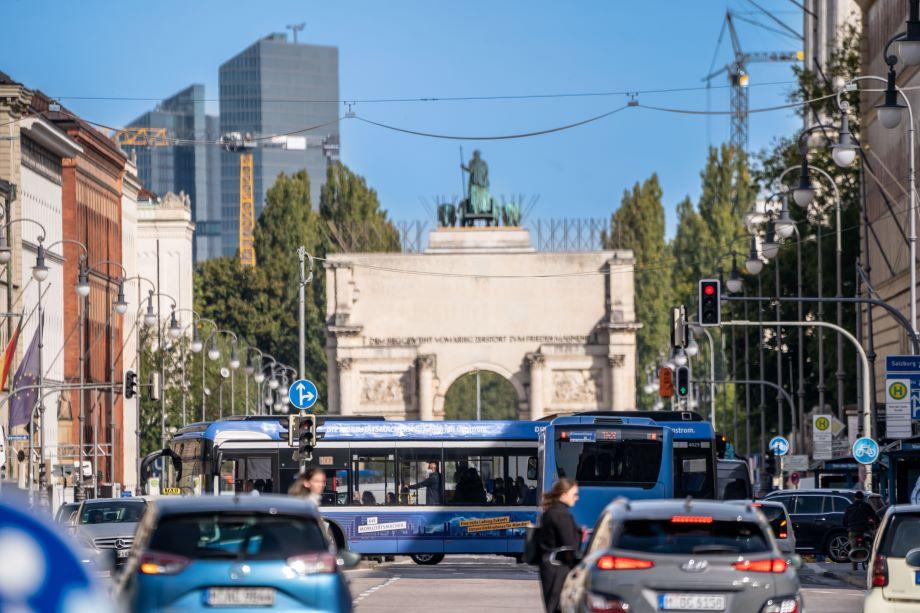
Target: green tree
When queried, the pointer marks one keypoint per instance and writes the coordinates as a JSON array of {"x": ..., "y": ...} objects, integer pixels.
[
  {"x": 498, "y": 398},
  {"x": 638, "y": 224}
]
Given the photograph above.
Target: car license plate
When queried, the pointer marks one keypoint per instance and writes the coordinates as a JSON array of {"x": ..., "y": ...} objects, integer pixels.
[
  {"x": 123, "y": 553},
  {"x": 691, "y": 602},
  {"x": 917, "y": 577},
  {"x": 241, "y": 596}
]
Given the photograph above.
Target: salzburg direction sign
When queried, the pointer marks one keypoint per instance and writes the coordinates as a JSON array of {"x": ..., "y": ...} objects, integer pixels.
[
  {"x": 902, "y": 394},
  {"x": 303, "y": 394}
]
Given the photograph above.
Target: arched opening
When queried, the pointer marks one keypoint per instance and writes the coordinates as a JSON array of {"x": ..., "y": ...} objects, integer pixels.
[{"x": 497, "y": 397}]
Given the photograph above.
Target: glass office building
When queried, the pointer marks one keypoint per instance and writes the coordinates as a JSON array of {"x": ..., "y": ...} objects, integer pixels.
[
  {"x": 191, "y": 168},
  {"x": 277, "y": 87}
]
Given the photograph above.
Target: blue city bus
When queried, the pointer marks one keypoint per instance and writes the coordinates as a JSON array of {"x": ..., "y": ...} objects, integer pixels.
[
  {"x": 695, "y": 460},
  {"x": 486, "y": 497},
  {"x": 609, "y": 456},
  {"x": 897, "y": 473}
]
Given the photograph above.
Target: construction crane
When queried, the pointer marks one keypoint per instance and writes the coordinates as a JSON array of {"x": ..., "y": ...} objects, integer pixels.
[
  {"x": 738, "y": 78},
  {"x": 245, "y": 144}
]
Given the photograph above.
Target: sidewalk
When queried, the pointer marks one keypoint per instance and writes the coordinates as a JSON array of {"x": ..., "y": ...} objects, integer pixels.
[{"x": 840, "y": 572}]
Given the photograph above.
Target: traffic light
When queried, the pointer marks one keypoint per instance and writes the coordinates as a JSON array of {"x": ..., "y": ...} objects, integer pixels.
[
  {"x": 721, "y": 445},
  {"x": 665, "y": 382},
  {"x": 683, "y": 381},
  {"x": 306, "y": 435},
  {"x": 770, "y": 464},
  {"x": 130, "y": 388},
  {"x": 710, "y": 307}
]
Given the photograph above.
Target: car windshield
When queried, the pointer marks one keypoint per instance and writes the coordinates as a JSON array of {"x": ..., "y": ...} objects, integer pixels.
[
  {"x": 65, "y": 513},
  {"x": 689, "y": 536},
  {"x": 902, "y": 535},
  {"x": 258, "y": 537},
  {"x": 776, "y": 517},
  {"x": 112, "y": 512},
  {"x": 607, "y": 456}
]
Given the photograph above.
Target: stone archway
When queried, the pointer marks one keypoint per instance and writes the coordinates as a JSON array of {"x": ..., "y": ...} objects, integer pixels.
[{"x": 499, "y": 398}]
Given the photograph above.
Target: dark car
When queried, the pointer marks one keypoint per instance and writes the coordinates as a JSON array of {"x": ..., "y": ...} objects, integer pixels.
[{"x": 817, "y": 518}]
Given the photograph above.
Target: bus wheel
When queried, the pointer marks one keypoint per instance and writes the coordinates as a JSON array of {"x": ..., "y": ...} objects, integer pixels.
[{"x": 427, "y": 559}]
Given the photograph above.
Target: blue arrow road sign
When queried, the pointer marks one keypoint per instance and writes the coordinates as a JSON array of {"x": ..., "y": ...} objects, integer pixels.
[
  {"x": 303, "y": 394},
  {"x": 865, "y": 450},
  {"x": 779, "y": 445}
]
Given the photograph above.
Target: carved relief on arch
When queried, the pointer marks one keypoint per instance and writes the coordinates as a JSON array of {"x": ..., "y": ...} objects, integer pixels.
[
  {"x": 384, "y": 388},
  {"x": 345, "y": 363},
  {"x": 577, "y": 386},
  {"x": 617, "y": 360}
]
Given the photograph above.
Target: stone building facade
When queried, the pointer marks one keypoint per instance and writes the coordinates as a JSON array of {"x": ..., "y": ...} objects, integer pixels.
[{"x": 401, "y": 328}]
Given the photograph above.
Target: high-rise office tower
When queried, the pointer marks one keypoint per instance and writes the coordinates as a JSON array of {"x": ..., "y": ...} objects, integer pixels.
[
  {"x": 193, "y": 168},
  {"x": 277, "y": 87}
]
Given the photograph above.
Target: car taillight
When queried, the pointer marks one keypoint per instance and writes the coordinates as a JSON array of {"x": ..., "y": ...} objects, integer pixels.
[
  {"x": 621, "y": 563},
  {"x": 880, "y": 572},
  {"x": 782, "y": 605},
  {"x": 601, "y": 603},
  {"x": 158, "y": 563},
  {"x": 312, "y": 563},
  {"x": 774, "y": 565},
  {"x": 782, "y": 535},
  {"x": 691, "y": 519}
]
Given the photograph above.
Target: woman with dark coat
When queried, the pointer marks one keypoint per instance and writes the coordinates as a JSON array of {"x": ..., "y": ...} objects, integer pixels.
[{"x": 557, "y": 529}]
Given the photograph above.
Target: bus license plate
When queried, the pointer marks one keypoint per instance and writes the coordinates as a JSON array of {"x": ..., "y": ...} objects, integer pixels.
[
  {"x": 241, "y": 596},
  {"x": 691, "y": 602}
]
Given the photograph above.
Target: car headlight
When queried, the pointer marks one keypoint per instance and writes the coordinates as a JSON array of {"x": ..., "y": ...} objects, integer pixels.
[{"x": 788, "y": 604}]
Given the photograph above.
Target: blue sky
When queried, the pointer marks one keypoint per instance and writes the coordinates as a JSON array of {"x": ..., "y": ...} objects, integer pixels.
[{"x": 431, "y": 49}]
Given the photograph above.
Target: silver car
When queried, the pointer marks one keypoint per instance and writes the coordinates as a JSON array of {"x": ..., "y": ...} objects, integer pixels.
[
  {"x": 672, "y": 555},
  {"x": 102, "y": 524},
  {"x": 780, "y": 523}
]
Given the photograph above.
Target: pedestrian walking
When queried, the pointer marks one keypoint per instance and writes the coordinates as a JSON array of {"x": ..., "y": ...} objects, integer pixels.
[
  {"x": 309, "y": 484},
  {"x": 557, "y": 529}
]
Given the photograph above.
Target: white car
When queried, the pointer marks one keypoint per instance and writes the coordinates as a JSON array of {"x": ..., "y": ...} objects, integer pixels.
[
  {"x": 894, "y": 566},
  {"x": 780, "y": 524}
]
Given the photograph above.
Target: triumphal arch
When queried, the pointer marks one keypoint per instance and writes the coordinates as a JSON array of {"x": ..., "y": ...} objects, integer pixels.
[{"x": 402, "y": 327}]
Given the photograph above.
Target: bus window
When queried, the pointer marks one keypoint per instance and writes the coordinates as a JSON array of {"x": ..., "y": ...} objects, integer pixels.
[
  {"x": 374, "y": 476},
  {"x": 421, "y": 481},
  {"x": 226, "y": 480},
  {"x": 522, "y": 479},
  {"x": 613, "y": 462},
  {"x": 693, "y": 470},
  {"x": 474, "y": 476}
]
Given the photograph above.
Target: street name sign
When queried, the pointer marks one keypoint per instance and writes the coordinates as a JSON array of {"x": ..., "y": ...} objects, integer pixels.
[
  {"x": 865, "y": 450},
  {"x": 796, "y": 462},
  {"x": 303, "y": 394},
  {"x": 902, "y": 394},
  {"x": 823, "y": 437},
  {"x": 779, "y": 445}
]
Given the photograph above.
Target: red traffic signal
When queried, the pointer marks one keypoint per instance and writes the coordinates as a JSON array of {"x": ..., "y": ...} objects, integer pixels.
[
  {"x": 665, "y": 383},
  {"x": 710, "y": 302}
]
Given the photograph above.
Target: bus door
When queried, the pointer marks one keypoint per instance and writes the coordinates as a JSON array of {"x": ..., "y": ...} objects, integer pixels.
[
  {"x": 419, "y": 499},
  {"x": 374, "y": 528},
  {"x": 243, "y": 471}
]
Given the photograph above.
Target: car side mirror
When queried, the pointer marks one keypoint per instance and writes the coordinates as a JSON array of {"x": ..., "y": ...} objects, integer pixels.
[
  {"x": 347, "y": 559},
  {"x": 795, "y": 561},
  {"x": 913, "y": 558},
  {"x": 553, "y": 557}
]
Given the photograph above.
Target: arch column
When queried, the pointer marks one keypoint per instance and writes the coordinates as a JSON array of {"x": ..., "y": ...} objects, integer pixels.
[
  {"x": 537, "y": 363},
  {"x": 348, "y": 386},
  {"x": 426, "y": 368}
]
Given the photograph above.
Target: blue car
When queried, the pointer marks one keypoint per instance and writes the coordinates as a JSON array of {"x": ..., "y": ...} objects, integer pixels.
[{"x": 235, "y": 553}]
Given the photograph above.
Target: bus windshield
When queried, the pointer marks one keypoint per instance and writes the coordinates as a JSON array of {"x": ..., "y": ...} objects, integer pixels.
[
  {"x": 599, "y": 456},
  {"x": 693, "y": 469}
]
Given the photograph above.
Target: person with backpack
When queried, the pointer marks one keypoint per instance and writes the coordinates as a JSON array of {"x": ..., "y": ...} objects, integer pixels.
[{"x": 557, "y": 529}]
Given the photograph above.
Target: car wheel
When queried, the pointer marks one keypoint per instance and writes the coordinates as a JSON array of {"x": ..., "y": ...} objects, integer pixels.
[
  {"x": 427, "y": 559},
  {"x": 838, "y": 547}
]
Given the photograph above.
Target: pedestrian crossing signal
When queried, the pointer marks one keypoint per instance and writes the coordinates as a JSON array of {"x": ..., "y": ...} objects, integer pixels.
[{"x": 665, "y": 382}]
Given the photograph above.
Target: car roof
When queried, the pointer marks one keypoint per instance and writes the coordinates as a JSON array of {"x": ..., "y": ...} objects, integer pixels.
[
  {"x": 665, "y": 509},
  {"x": 758, "y": 503},
  {"x": 819, "y": 491},
  {"x": 271, "y": 504},
  {"x": 905, "y": 508}
]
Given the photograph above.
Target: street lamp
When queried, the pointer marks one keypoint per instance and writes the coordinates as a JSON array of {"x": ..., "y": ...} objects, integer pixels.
[
  {"x": 692, "y": 348},
  {"x": 734, "y": 284},
  {"x": 196, "y": 345},
  {"x": 234, "y": 359},
  {"x": 274, "y": 383},
  {"x": 890, "y": 111},
  {"x": 754, "y": 264},
  {"x": 804, "y": 194},
  {"x": 249, "y": 369},
  {"x": 784, "y": 225},
  {"x": 6, "y": 254},
  {"x": 175, "y": 331},
  {"x": 213, "y": 351},
  {"x": 844, "y": 152},
  {"x": 82, "y": 280},
  {"x": 680, "y": 357},
  {"x": 120, "y": 304},
  {"x": 150, "y": 318},
  {"x": 40, "y": 271},
  {"x": 770, "y": 248}
]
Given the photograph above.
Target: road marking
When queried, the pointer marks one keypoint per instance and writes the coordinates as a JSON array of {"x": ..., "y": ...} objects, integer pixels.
[{"x": 371, "y": 590}]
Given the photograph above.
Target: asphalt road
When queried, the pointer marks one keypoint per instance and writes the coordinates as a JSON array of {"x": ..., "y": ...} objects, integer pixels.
[{"x": 479, "y": 584}]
